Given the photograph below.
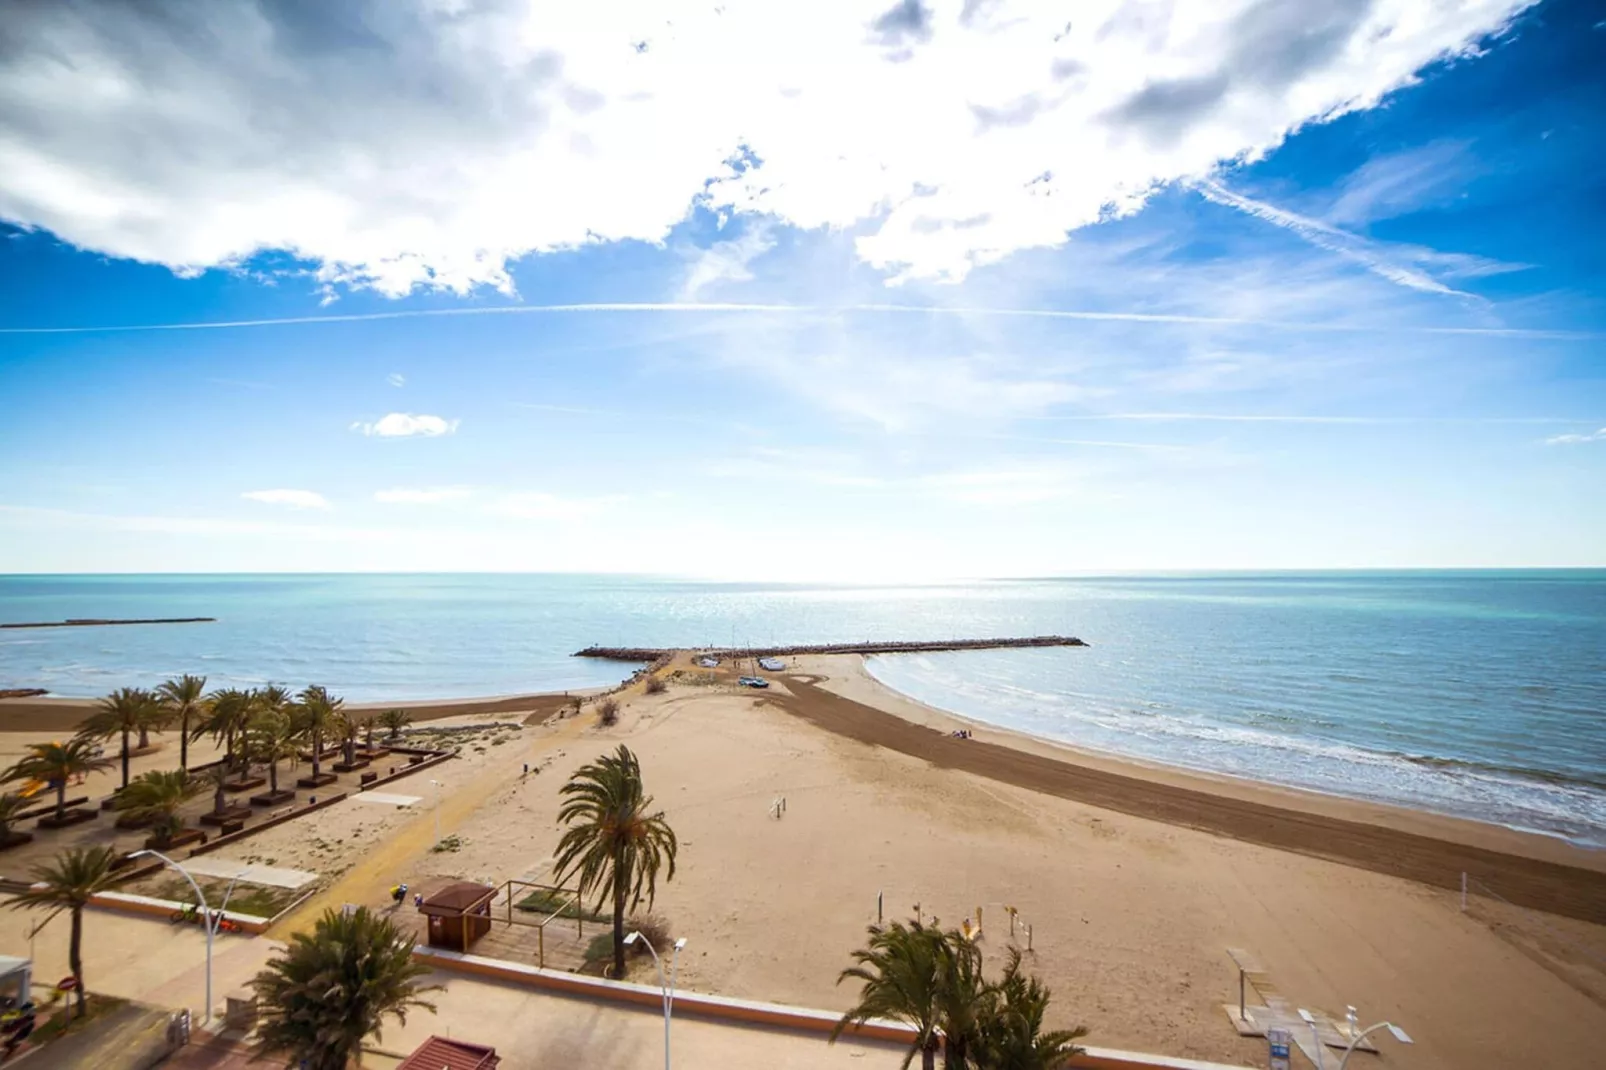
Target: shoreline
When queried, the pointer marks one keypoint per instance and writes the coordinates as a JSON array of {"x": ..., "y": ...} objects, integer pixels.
[{"x": 837, "y": 693}]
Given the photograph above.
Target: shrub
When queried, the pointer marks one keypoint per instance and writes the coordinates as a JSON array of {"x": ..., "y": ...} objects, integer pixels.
[
  {"x": 654, "y": 929},
  {"x": 656, "y": 685},
  {"x": 608, "y": 712}
]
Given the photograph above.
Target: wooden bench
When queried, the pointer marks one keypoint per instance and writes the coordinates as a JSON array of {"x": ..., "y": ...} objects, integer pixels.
[
  {"x": 281, "y": 811},
  {"x": 369, "y": 778},
  {"x": 230, "y": 827}
]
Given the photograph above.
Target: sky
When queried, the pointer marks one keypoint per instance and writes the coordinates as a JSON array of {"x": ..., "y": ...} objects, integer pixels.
[{"x": 838, "y": 291}]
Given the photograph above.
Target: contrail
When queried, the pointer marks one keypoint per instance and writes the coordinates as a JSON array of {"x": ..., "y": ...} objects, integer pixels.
[{"x": 1159, "y": 318}]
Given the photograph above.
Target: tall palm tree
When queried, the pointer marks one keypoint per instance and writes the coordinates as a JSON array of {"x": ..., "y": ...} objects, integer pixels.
[
  {"x": 271, "y": 737},
  {"x": 328, "y": 991},
  {"x": 158, "y": 795},
  {"x": 319, "y": 714},
  {"x": 901, "y": 968},
  {"x": 1012, "y": 1036},
  {"x": 123, "y": 711},
  {"x": 56, "y": 764},
  {"x": 182, "y": 697},
  {"x": 615, "y": 843},
  {"x": 226, "y": 713},
  {"x": 68, "y": 883}
]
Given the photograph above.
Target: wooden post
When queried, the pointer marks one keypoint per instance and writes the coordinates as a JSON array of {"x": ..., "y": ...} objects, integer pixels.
[
  {"x": 540, "y": 949},
  {"x": 878, "y": 903},
  {"x": 1241, "y": 1015},
  {"x": 1463, "y": 890}
]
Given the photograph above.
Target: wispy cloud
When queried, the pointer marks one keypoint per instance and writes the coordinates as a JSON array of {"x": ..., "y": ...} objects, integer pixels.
[
  {"x": 539, "y": 505},
  {"x": 730, "y": 308},
  {"x": 422, "y": 495},
  {"x": 1402, "y": 265},
  {"x": 396, "y": 379},
  {"x": 294, "y": 499},
  {"x": 405, "y": 425},
  {"x": 1574, "y": 440},
  {"x": 727, "y": 261}
]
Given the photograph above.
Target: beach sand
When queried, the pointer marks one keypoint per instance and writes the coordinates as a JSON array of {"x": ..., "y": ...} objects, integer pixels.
[{"x": 1135, "y": 880}]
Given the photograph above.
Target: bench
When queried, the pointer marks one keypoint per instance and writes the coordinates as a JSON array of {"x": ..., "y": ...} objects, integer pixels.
[
  {"x": 369, "y": 778},
  {"x": 230, "y": 827},
  {"x": 281, "y": 811}
]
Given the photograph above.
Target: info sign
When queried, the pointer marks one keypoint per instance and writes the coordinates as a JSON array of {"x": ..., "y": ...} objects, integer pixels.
[{"x": 1279, "y": 1040}]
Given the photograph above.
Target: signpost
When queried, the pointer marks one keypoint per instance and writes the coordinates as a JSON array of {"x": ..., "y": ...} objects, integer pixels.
[{"x": 1279, "y": 1040}]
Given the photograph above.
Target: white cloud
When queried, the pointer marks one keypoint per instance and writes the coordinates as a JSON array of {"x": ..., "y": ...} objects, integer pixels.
[
  {"x": 727, "y": 261},
  {"x": 295, "y": 499},
  {"x": 396, "y": 379},
  {"x": 1574, "y": 440},
  {"x": 396, "y": 145},
  {"x": 421, "y": 495},
  {"x": 405, "y": 424}
]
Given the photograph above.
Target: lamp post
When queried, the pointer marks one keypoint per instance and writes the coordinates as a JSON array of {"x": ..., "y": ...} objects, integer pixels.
[
  {"x": 208, "y": 922},
  {"x": 669, "y": 989}
]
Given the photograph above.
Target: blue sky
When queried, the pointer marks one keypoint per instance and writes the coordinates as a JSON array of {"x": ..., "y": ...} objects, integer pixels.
[{"x": 864, "y": 292}]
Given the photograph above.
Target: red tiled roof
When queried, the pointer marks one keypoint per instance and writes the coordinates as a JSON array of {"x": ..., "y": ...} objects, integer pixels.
[{"x": 438, "y": 1053}]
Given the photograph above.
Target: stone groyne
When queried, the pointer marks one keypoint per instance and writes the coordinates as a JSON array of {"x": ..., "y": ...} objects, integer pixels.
[
  {"x": 96, "y": 622},
  {"x": 646, "y": 653}
]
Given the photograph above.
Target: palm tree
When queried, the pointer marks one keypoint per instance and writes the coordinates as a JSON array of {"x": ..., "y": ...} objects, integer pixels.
[
  {"x": 328, "y": 991},
  {"x": 227, "y": 712},
  {"x": 1012, "y": 1036},
  {"x": 613, "y": 842},
  {"x": 158, "y": 795},
  {"x": 320, "y": 715},
  {"x": 68, "y": 883},
  {"x": 12, "y": 804},
  {"x": 214, "y": 778},
  {"x": 123, "y": 711},
  {"x": 395, "y": 721},
  {"x": 182, "y": 699},
  {"x": 271, "y": 737},
  {"x": 901, "y": 968},
  {"x": 56, "y": 764},
  {"x": 154, "y": 717}
]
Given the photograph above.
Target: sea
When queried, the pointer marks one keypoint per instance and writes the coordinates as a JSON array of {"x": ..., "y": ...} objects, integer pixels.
[{"x": 1476, "y": 694}]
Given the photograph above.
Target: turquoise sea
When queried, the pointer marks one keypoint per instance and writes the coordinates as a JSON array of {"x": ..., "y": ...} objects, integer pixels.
[{"x": 1480, "y": 694}]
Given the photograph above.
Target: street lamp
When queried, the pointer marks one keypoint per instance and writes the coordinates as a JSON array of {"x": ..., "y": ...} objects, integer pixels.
[
  {"x": 669, "y": 989},
  {"x": 208, "y": 921}
]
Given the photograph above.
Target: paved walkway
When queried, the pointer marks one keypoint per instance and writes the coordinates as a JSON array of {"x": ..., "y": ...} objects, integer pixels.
[
  {"x": 278, "y": 877},
  {"x": 133, "y": 1037}
]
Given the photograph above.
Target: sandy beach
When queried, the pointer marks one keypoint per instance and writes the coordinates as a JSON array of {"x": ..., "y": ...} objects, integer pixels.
[{"x": 1135, "y": 880}]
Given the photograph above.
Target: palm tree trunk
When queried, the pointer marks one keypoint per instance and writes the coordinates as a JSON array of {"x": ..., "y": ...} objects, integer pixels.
[
  {"x": 217, "y": 799},
  {"x": 618, "y": 917},
  {"x": 317, "y": 748},
  {"x": 273, "y": 776},
  {"x": 144, "y": 737},
  {"x": 61, "y": 800},
  {"x": 953, "y": 1054},
  {"x": 75, "y": 960},
  {"x": 184, "y": 742},
  {"x": 928, "y": 1055},
  {"x": 125, "y": 757}
]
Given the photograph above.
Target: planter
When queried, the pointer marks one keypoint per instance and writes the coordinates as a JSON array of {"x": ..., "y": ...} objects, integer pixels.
[
  {"x": 109, "y": 802},
  {"x": 373, "y": 753},
  {"x": 316, "y": 781},
  {"x": 181, "y": 838},
  {"x": 70, "y": 818},
  {"x": 15, "y": 839},
  {"x": 273, "y": 798},
  {"x": 234, "y": 786},
  {"x": 350, "y": 767},
  {"x": 232, "y": 813}
]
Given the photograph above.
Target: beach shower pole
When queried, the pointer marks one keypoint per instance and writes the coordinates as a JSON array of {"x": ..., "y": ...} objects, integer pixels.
[{"x": 437, "y": 784}]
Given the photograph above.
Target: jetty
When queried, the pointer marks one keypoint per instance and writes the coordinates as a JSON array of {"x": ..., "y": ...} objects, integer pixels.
[
  {"x": 96, "y": 622},
  {"x": 650, "y": 653}
]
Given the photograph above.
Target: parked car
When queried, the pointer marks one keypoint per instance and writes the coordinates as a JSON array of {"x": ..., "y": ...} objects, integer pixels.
[{"x": 752, "y": 681}]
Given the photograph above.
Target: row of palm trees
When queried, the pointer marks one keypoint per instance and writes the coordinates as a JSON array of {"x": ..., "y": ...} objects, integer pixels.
[{"x": 330, "y": 989}]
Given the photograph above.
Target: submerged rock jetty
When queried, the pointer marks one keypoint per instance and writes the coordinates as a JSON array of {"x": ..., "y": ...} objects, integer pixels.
[
  {"x": 96, "y": 622},
  {"x": 649, "y": 653}
]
